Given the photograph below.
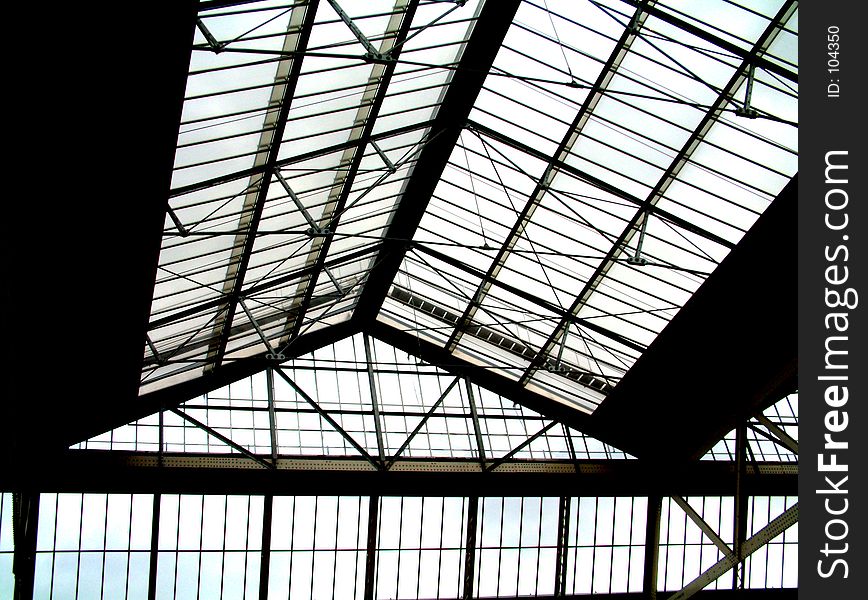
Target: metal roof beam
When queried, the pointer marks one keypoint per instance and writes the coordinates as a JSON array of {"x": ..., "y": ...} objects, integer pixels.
[
  {"x": 668, "y": 177},
  {"x": 599, "y": 183},
  {"x": 258, "y": 170},
  {"x": 546, "y": 179},
  {"x": 126, "y": 472},
  {"x": 282, "y": 93},
  {"x": 489, "y": 31},
  {"x": 706, "y": 35},
  {"x": 366, "y": 118}
]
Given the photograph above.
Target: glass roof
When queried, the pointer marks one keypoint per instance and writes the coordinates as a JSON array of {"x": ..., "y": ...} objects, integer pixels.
[{"x": 614, "y": 155}]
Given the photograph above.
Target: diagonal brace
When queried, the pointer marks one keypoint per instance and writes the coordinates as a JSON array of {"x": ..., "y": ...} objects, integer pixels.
[
  {"x": 762, "y": 537},
  {"x": 272, "y": 355},
  {"x": 371, "y": 51},
  {"x": 421, "y": 424},
  {"x": 216, "y": 46},
  {"x": 229, "y": 442},
  {"x": 520, "y": 447},
  {"x": 703, "y": 525},
  {"x": 377, "y": 465},
  {"x": 791, "y": 444}
]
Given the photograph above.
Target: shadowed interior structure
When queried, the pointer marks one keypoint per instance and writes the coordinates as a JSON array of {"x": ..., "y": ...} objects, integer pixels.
[{"x": 517, "y": 273}]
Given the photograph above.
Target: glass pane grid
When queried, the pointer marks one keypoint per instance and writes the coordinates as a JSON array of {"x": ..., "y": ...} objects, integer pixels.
[
  {"x": 93, "y": 546},
  {"x": 605, "y": 545}
]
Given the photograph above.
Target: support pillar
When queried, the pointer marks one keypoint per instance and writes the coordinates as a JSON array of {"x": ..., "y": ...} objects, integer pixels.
[
  {"x": 652, "y": 546},
  {"x": 25, "y": 517},
  {"x": 371, "y": 555},
  {"x": 470, "y": 548},
  {"x": 563, "y": 539}
]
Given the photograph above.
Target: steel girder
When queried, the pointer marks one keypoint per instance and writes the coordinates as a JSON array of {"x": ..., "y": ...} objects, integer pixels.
[{"x": 134, "y": 472}]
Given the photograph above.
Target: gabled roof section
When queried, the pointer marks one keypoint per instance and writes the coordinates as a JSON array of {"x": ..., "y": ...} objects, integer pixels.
[{"x": 535, "y": 188}]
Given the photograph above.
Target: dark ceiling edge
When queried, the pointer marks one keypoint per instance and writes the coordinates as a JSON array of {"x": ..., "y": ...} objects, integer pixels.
[
  {"x": 170, "y": 397},
  {"x": 87, "y": 236},
  {"x": 729, "y": 353}
]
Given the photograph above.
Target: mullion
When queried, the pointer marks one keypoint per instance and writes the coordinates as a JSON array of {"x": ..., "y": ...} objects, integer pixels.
[
  {"x": 520, "y": 544},
  {"x": 575, "y": 546},
  {"x": 400, "y": 545},
  {"x": 629, "y": 541},
  {"x": 54, "y": 545},
  {"x": 202, "y": 528},
  {"x": 78, "y": 554},
  {"x": 594, "y": 543},
  {"x": 177, "y": 536},
  {"x": 129, "y": 548},
  {"x": 223, "y": 541},
  {"x": 104, "y": 550}
]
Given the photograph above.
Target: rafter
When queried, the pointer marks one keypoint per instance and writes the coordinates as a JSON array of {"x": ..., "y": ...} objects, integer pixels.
[
  {"x": 477, "y": 57},
  {"x": 288, "y": 72},
  {"x": 351, "y": 159}
]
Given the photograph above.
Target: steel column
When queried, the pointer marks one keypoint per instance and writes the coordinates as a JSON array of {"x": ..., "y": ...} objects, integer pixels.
[
  {"x": 155, "y": 547},
  {"x": 561, "y": 557},
  {"x": 471, "y": 400},
  {"x": 371, "y": 551},
  {"x": 25, "y": 519},
  {"x": 470, "y": 547},
  {"x": 272, "y": 416},
  {"x": 652, "y": 547},
  {"x": 265, "y": 556},
  {"x": 739, "y": 526}
]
